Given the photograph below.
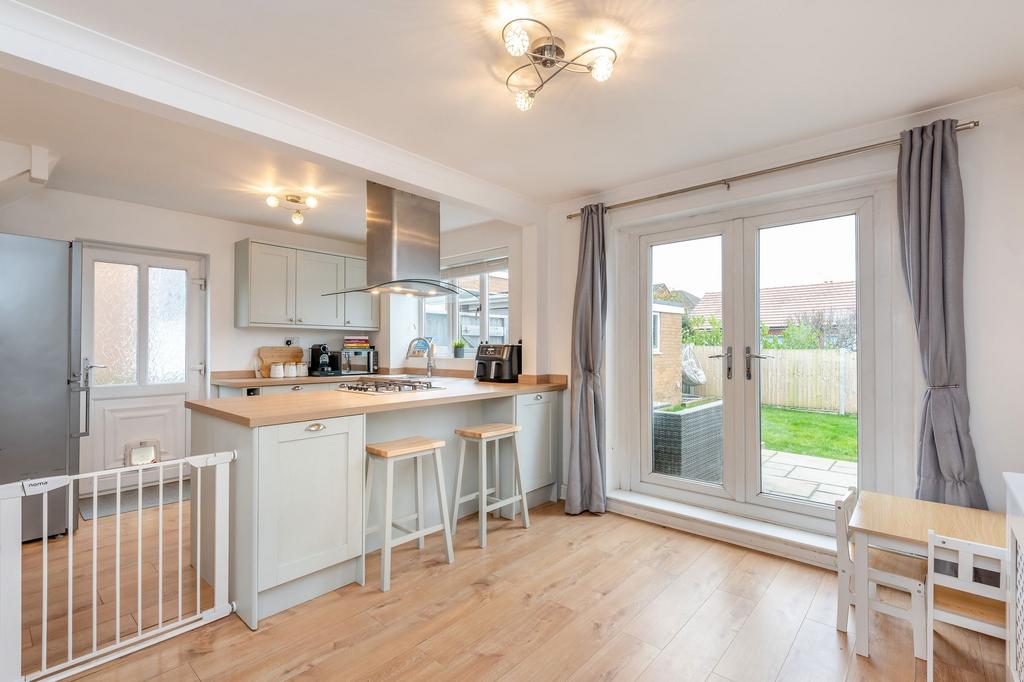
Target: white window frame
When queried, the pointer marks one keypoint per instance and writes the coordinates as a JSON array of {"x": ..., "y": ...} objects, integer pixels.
[
  {"x": 886, "y": 423},
  {"x": 454, "y": 271}
]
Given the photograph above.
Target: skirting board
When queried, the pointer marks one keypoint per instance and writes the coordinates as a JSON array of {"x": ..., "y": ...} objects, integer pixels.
[{"x": 789, "y": 543}]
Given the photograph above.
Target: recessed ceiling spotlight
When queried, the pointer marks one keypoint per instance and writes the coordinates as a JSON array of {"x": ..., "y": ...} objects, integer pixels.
[
  {"x": 548, "y": 52},
  {"x": 295, "y": 202}
]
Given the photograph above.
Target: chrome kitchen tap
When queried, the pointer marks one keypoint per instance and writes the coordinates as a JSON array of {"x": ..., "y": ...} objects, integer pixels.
[{"x": 430, "y": 352}]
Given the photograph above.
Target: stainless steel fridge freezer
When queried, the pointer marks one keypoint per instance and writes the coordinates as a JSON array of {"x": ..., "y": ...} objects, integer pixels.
[{"x": 41, "y": 382}]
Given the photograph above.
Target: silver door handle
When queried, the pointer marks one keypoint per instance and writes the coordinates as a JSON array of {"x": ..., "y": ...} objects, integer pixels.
[
  {"x": 316, "y": 427},
  {"x": 750, "y": 356},
  {"x": 85, "y": 386},
  {"x": 296, "y": 388},
  {"x": 728, "y": 361}
]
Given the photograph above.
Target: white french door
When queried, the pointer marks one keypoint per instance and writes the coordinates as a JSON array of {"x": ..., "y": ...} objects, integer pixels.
[
  {"x": 143, "y": 330},
  {"x": 753, "y": 389}
]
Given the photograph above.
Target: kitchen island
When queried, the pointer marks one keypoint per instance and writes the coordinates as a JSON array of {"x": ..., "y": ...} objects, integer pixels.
[{"x": 296, "y": 527}]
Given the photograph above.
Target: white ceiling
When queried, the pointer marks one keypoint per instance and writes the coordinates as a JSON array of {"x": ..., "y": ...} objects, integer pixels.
[
  {"x": 697, "y": 81},
  {"x": 113, "y": 151}
]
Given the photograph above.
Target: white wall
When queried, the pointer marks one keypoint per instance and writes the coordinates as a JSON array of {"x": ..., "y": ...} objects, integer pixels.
[
  {"x": 66, "y": 215},
  {"x": 992, "y": 164}
]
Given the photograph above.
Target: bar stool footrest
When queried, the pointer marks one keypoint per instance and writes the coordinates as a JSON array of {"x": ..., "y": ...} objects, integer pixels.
[{"x": 402, "y": 539}]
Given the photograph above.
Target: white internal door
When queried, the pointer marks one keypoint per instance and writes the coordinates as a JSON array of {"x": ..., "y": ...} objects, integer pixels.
[{"x": 143, "y": 327}]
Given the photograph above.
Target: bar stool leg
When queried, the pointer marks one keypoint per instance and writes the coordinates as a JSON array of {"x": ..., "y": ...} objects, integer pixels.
[
  {"x": 482, "y": 509},
  {"x": 458, "y": 485},
  {"x": 519, "y": 481},
  {"x": 420, "y": 524},
  {"x": 385, "y": 552},
  {"x": 443, "y": 502},
  {"x": 496, "y": 444},
  {"x": 366, "y": 517}
]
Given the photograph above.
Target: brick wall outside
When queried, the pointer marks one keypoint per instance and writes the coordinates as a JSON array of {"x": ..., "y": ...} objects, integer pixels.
[{"x": 667, "y": 366}]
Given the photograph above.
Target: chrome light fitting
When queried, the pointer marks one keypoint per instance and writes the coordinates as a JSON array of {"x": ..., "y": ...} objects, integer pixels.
[
  {"x": 548, "y": 52},
  {"x": 296, "y": 203}
]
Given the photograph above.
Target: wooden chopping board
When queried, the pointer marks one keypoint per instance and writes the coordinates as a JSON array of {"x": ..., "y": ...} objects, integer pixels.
[{"x": 270, "y": 355}]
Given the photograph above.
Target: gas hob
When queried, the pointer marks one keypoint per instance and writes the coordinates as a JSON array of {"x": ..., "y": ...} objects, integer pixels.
[{"x": 388, "y": 386}]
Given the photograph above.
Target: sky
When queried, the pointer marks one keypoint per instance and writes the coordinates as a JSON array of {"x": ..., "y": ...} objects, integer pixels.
[{"x": 805, "y": 253}]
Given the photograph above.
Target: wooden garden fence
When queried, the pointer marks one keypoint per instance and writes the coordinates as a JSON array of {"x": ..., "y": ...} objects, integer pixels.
[{"x": 824, "y": 380}]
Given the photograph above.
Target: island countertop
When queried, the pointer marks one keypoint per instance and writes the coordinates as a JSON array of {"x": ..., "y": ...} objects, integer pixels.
[{"x": 269, "y": 410}]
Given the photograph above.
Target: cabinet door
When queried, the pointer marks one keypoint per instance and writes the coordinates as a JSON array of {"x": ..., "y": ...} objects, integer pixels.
[
  {"x": 360, "y": 308},
  {"x": 271, "y": 284},
  {"x": 294, "y": 389},
  {"x": 318, "y": 274},
  {"x": 535, "y": 413},
  {"x": 310, "y": 497}
]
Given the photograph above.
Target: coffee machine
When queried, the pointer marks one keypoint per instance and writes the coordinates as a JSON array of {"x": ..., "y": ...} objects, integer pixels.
[
  {"x": 320, "y": 364},
  {"x": 499, "y": 362}
]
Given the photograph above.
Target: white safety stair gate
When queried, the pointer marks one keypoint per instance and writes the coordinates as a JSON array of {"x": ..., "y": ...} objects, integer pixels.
[{"x": 132, "y": 479}]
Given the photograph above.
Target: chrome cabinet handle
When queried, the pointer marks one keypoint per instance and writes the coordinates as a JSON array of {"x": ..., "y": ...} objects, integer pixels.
[
  {"x": 299, "y": 320},
  {"x": 749, "y": 356},
  {"x": 538, "y": 397},
  {"x": 316, "y": 427},
  {"x": 296, "y": 388},
  {"x": 728, "y": 361}
]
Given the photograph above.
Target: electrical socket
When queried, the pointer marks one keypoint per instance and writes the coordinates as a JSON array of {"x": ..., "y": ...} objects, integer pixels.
[{"x": 292, "y": 341}]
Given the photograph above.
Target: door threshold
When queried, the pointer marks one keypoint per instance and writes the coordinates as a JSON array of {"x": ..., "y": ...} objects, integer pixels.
[{"x": 791, "y": 543}]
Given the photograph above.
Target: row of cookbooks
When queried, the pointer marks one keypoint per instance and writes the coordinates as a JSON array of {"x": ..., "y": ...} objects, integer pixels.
[{"x": 356, "y": 343}]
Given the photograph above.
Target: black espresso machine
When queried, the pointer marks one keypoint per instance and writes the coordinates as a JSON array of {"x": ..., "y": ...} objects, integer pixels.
[{"x": 499, "y": 362}]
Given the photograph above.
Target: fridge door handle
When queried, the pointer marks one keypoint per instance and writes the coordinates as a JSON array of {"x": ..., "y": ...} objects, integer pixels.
[{"x": 85, "y": 386}]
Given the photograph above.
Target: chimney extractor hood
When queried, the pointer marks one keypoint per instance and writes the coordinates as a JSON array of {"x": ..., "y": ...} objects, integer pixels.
[{"x": 403, "y": 245}]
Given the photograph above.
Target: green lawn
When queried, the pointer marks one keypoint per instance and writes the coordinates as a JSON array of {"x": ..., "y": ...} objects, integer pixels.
[{"x": 820, "y": 434}]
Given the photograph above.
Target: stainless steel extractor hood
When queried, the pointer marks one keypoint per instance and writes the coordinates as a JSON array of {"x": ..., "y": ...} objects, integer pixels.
[{"x": 403, "y": 244}]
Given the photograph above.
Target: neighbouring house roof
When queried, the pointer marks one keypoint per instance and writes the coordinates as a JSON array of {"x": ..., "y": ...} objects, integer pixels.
[
  {"x": 680, "y": 297},
  {"x": 780, "y": 305}
]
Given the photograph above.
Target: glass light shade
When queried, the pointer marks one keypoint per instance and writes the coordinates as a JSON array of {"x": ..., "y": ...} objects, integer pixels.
[
  {"x": 602, "y": 68},
  {"x": 311, "y": 202},
  {"x": 517, "y": 41},
  {"x": 297, "y": 217},
  {"x": 273, "y": 201},
  {"x": 524, "y": 100}
]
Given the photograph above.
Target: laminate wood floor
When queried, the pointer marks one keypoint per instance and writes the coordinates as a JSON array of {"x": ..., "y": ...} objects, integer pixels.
[{"x": 573, "y": 598}]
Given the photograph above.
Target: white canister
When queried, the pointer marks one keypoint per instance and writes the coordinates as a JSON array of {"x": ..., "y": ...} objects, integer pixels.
[
  {"x": 303, "y": 369},
  {"x": 290, "y": 370},
  {"x": 277, "y": 371}
]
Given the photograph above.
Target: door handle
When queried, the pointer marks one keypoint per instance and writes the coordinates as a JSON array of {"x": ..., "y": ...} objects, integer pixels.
[
  {"x": 85, "y": 386},
  {"x": 751, "y": 356},
  {"x": 728, "y": 361},
  {"x": 316, "y": 427}
]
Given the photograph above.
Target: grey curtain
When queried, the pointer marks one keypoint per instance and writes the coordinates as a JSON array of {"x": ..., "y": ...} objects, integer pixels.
[
  {"x": 931, "y": 207},
  {"x": 585, "y": 489}
]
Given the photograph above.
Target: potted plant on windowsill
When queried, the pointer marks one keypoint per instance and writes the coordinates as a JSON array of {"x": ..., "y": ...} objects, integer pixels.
[{"x": 459, "y": 348}]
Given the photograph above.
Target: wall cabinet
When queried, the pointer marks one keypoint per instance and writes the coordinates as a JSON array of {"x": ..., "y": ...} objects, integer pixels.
[
  {"x": 310, "y": 498},
  {"x": 278, "y": 285},
  {"x": 537, "y": 415}
]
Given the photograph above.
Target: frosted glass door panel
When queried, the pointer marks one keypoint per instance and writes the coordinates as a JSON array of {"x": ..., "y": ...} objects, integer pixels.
[
  {"x": 168, "y": 296},
  {"x": 116, "y": 324}
]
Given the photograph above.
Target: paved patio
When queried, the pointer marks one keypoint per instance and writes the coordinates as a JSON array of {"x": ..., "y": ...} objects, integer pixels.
[{"x": 806, "y": 477}]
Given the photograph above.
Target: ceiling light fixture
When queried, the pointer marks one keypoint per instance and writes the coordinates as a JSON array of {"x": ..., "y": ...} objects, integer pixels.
[
  {"x": 294, "y": 202},
  {"x": 548, "y": 52}
]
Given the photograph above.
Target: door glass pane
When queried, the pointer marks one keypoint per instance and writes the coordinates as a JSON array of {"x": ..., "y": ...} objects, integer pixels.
[
  {"x": 435, "y": 323},
  {"x": 115, "y": 323},
  {"x": 686, "y": 378},
  {"x": 168, "y": 294},
  {"x": 807, "y": 315},
  {"x": 497, "y": 306},
  {"x": 469, "y": 311}
]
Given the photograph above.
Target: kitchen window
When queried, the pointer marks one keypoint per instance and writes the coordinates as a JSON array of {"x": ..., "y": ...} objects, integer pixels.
[{"x": 479, "y": 313}]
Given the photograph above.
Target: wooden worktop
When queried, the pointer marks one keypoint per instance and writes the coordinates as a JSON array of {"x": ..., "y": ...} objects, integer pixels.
[{"x": 268, "y": 410}]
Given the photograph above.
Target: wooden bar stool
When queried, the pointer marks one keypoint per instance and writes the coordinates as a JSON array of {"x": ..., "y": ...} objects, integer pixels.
[
  {"x": 416, "y": 448},
  {"x": 482, "y": 435}
]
